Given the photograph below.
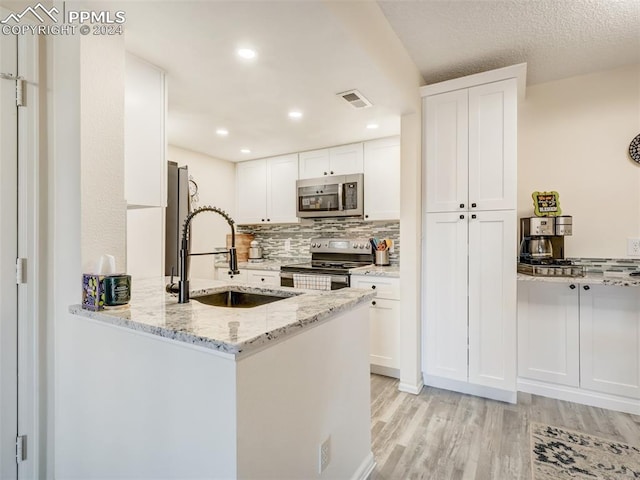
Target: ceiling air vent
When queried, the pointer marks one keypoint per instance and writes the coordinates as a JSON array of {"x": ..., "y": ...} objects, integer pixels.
[{"x": 355, "y": 99}]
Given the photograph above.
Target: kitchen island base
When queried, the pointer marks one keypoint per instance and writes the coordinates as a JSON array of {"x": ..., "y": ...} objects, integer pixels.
[{"x": 130, "y": 404}]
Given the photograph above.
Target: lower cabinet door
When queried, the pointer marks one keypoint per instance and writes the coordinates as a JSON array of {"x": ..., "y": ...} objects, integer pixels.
[
  {"x": 610, "y": 339},
  {"x": 445, "y": 296},
  {"x": 384, "y": 317},
  {"x": 492, "y": 299},
  {"x": 549, "y": 332}
]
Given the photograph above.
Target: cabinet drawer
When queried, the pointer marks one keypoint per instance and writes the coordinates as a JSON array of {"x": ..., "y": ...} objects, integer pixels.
[
  {"x": 385, "y": 287},
  {"x": 223, "y": 274},
  {"x": 264, "y": 277}
]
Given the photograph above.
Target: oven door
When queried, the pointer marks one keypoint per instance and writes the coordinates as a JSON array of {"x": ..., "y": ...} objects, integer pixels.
[{"x": 337, "y": 281}]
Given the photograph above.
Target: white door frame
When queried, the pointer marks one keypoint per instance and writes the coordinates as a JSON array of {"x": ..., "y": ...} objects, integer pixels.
[
  {"x": 32, "y": 385},
  {"x": 28, "y": 332},
  {"x": 8, "y": 254}
]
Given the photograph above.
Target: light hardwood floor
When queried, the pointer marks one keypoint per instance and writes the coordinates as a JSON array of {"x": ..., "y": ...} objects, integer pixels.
[{"x": 443, "y": 435}]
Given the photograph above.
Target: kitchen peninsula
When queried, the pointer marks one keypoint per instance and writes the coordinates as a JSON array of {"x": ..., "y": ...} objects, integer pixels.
[{"x": 168, "y": 390}]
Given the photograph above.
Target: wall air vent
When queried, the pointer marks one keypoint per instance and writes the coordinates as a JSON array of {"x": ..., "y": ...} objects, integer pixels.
[{"x": 355, "y": 99}]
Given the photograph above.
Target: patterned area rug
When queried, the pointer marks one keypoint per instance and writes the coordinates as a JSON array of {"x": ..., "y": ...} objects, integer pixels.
[{"x": 558, "y": 454}]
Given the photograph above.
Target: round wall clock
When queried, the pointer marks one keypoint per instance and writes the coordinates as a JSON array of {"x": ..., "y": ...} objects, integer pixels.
[{"x": 634, "y": 149}]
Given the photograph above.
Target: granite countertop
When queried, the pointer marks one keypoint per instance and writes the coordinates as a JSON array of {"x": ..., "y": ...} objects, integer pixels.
[
  {"x": 235, "y": 331},
  {"x": 592, "y": 278},
  {"x": 377, "y": 271},
  {"x": 271, "y": 264}
]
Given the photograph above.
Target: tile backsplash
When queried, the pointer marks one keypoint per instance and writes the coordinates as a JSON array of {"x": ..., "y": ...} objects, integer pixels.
[
  {"x": 272, "y": 238},
  {"x": 601, "y": 265}
]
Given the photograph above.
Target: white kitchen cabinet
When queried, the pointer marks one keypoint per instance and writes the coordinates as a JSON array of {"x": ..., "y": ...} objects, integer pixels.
[
  {"x": 382, "y": 179},
  {"x": 492, "y": 299},
  {"x": 145, "y": 142},
  {"x": 384, "y": 317},
  {"x": 549, "y": 332},
  {"x": 341, "y": 160},
  {"x": 224, "y": 275},
  {"x": 266, "y": 190},
  {"x": 610, "y": 340},
  {"x": 470, "y": 148},
  {"x": 470, "y": 298},
  {"x": 445, "y": 297},
  {"x": 264, "y": 277}
]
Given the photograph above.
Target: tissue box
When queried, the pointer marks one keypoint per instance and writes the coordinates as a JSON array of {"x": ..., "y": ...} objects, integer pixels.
[{"x": 92, "y": 291}]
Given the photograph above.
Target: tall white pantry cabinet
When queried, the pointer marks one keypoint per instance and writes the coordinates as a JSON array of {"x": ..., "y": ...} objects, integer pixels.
[{"x": 470, "y": 233}]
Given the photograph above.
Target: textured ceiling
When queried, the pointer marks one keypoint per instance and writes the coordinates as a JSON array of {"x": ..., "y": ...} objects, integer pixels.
[{"x": 557, "y": 39}]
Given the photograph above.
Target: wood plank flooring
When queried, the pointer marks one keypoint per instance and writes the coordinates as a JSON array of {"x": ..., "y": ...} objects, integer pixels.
[{"x": 443, "y": 435}]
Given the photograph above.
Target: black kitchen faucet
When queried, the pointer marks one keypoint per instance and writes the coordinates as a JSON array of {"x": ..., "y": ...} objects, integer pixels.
[{"x": 183, "y": 283}]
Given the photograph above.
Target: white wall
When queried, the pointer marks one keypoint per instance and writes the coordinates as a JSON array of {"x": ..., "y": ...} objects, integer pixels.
[
  {"x": 216, "y": 181},
  {"x": 573, "y": 137},
  {"x": 103, "y": 206}
]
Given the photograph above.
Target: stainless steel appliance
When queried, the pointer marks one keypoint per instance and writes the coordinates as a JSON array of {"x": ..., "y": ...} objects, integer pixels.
[
  {"x": 332, "y": 257},
  {"x": 255, "y": 251},
  {"x": 542, "y": 246},
  {"x": 178, "y": 207},
  {"x": 332, "y": 196}
]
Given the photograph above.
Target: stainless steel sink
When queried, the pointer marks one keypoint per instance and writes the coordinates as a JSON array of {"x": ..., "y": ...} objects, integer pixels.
[{"x": 230, "y": 298}]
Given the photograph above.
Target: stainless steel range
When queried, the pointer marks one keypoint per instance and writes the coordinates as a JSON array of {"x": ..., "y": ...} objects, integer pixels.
[{"x": 331, "y": 258}]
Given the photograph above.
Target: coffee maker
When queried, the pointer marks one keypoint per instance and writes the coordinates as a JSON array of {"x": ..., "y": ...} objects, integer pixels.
[{"x": 542, "y": 239}]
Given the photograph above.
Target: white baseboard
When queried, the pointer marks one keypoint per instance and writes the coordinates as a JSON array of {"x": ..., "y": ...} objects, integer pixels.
[
  {"x": 366, "y": 467},
  {"x": 386, "y": 371},
  {"x": 578, "y": 395},
  {"x": 471, "y": 389}
]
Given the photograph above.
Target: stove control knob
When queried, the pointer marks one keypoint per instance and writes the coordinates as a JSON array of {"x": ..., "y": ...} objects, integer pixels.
[{"x": 361, "y": 245}]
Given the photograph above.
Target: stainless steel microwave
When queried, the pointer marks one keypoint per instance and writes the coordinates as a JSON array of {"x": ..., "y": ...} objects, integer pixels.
[{"x": 331, "y": 196}]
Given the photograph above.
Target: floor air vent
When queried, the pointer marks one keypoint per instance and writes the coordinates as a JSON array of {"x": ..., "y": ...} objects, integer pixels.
[{"x": 355, "y": 99}]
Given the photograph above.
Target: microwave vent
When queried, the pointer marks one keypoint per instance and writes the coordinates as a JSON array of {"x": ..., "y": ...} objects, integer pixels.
[{"x": 355, "y": 99}]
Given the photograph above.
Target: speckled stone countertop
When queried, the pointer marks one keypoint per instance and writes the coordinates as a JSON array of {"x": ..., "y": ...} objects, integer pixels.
[
  {"x": 592, "y": 278},
  {"x": 236, "y": 331},
  {"x": 377, "y": 271},
  {"x": 373, "y": 270}
]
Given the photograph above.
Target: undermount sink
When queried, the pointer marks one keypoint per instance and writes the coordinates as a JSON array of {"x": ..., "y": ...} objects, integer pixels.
[{"x": 230, "y": 298}]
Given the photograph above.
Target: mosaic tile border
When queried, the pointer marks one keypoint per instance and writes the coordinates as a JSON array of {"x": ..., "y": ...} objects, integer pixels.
[{"x": 601, "y": 265}]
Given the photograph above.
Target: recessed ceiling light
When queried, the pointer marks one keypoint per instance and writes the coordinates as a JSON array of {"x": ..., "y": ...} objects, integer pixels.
[
  {"x": 245, "y": 150},
  {"x": 372, "y": 126},
  {"x": 222, "y": 132},
  {"x": 246, "y": 53},
  {"x": 295, "y": 114}
]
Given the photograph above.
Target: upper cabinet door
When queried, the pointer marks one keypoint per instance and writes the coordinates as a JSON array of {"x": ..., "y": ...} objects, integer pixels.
[
  {"x": 382, "y": 179},
  {"x": 346, "y": 159},
  {"x": 251, "y": 191},
  {"x": 446, "y": 151},
  {"x": 145, "y": 163},
  {"x": 492, "y": 146},
  {"x": 314, "y": 164},
  {"x": 282, "y": 173}
]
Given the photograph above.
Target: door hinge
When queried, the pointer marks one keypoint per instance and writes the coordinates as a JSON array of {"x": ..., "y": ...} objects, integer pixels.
[
  {"x": 19, "y": 92},
  {"x": 20, "y": 270},
  {"x": 19, "y": 87},
  {"x": 21, "y": 448}
]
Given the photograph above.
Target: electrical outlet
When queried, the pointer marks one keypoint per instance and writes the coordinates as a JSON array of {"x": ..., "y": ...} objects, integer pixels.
[
  {"x": 324, "y": 455},
  {"x": 287, "y": 245},
  {"x": 633, "y": 247}
]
